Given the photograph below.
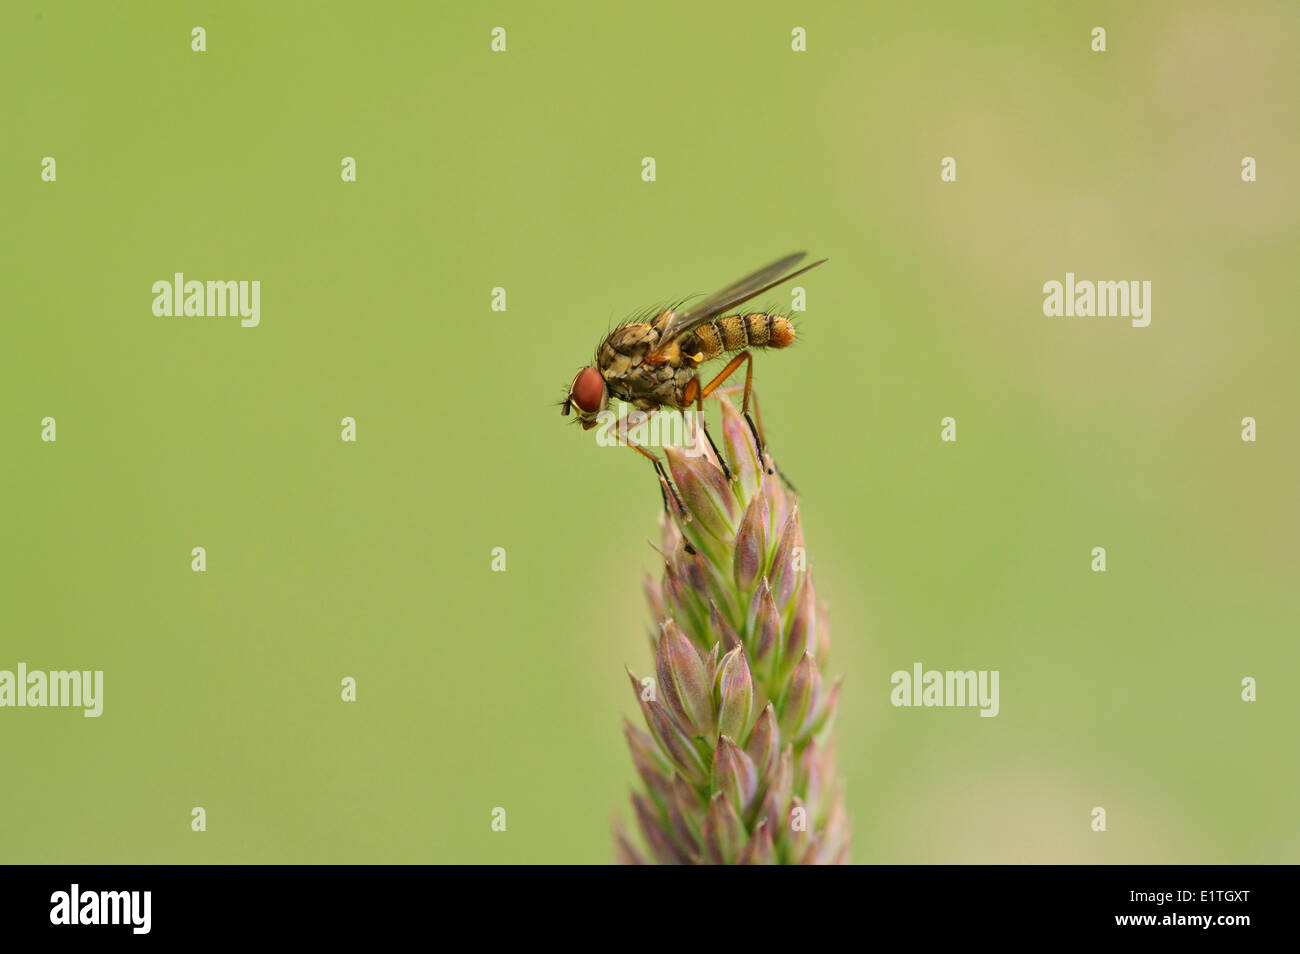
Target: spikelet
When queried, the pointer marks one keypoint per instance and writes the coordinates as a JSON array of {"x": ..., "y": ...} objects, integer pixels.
[{"x": 736, "y": 757}]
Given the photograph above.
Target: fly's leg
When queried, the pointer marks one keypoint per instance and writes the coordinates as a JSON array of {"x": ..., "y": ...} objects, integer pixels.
[
  {"x": 761, "y": 436},
  {"x": 732, "y": 365},
  {"x": 758, "y": 416},
  {"x": 620, "y": 428},
  {"x": 696, "y": 394}
]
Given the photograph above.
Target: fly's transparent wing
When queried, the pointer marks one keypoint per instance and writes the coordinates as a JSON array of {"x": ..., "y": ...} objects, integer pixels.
[{"x": 739, "y": 291}]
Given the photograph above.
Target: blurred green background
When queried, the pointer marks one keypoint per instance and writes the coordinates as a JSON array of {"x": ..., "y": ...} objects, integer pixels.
[{"x": 522, "y": 170}]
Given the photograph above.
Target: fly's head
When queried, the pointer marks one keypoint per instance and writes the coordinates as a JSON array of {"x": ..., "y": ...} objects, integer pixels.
[{"x": 588, "y": 396}]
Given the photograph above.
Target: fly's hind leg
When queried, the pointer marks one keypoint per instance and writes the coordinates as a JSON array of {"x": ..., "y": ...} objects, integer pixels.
[
  {"x": 758, "y": 415},
  {"x": 732, "y": 365},
  {"x": 759, "y": 437},
  {"x": 619, "y": 429}
]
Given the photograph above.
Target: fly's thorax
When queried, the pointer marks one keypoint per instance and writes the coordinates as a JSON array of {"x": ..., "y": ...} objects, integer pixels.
[
  {"x": 621, "y": 360},
  {"x": 737, "y": 332},
  {"x": 649, "y": 385},
  {"x": 624, "y": 349}
]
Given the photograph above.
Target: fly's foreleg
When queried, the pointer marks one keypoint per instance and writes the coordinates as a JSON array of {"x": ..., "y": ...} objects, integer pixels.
[{"x": 619, "y": 430}]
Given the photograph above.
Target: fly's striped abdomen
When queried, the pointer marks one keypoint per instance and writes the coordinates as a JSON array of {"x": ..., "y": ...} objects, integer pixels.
[{"x": 737, "y": 332}]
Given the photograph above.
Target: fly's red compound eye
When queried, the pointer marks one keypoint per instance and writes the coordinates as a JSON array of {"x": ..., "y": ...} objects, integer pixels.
[{"x": 588, "y": 391}]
